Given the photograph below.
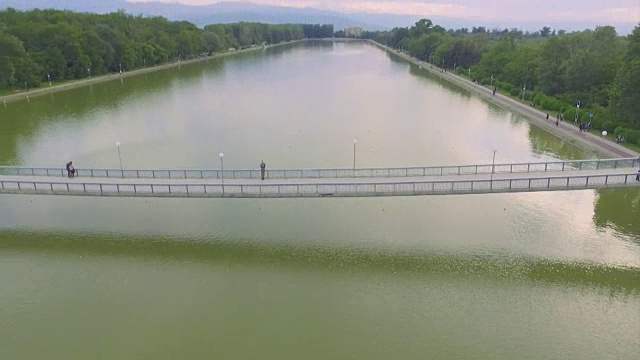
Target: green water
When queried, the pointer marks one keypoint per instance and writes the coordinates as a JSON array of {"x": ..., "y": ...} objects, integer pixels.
[{"x": 513, "y": 276}]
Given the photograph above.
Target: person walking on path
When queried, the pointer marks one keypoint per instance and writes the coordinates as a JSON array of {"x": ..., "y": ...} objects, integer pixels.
[
  {"x": 638, "y": 176},
  {"x": 263, "y": 169}
]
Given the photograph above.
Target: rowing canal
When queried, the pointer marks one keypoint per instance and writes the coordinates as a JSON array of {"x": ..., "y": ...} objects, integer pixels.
[{"x": 511, "y": 276}]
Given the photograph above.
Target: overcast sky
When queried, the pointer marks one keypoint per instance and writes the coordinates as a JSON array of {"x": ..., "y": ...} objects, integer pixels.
[{"x": 605, "y": 11}]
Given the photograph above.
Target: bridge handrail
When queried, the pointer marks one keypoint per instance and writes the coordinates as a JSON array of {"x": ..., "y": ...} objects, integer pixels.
[
  {"x": 329, "y": 172},
  {"x": 71, "y": 186},
  {"x": 495, "y": 178}
]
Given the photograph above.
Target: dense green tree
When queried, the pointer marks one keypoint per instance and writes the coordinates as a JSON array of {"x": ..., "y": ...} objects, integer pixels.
[
  {"x": 317, "y": 31},
  {"x": 523, "y": 66},
  {"x": 424, "y": 46},
  {"x": 495, "y": 60},
  {"x": 590, "y": 68},
  {"x": 552, "y": 66},
  {"x": 626, "y": 89},
  {"x": 596, "y": 67},
  {"x": 16, "y": 66},
  {"x": 65, "y": 45},
  {"x": 546, "y": 31}
]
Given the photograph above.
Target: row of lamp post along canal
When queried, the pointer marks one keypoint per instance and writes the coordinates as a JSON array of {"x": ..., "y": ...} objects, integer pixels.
[
  {"x": 524, "y": 91},
  {"x": 26, "y": 84},
  {"x": 355, "y": 143}
]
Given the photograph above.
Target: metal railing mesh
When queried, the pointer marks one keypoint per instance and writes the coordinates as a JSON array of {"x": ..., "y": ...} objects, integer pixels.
[
  {"x": 552, "y": 166},
  {"x": 328, "y": 189}
]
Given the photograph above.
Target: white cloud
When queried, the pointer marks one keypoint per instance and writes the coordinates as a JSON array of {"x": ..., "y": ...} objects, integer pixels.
[
  {"x": 609, "y": 11},
  {"x": 618, "y": 15}
]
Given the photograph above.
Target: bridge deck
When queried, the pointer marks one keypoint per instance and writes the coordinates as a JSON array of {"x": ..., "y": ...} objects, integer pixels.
[
  {"x": 314, "y": 187},
  {"x": 408, "y": 172}
]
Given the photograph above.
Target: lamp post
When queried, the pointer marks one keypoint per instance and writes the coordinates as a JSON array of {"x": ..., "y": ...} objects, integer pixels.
[
  {"x": 355, "y": 142},
  {"x": 524, "y": 91},
  {"x": 49, "y": 78},
  {"x": 577, "y": 109},
  {"x": 221, "y": 155},
  {"x": 89, "y": 72},
  {"x": 120, "y": 68},
  {"x": 120, "y": 158},
  {"x": 491, "y": 80},
  {"x": 493, "y": 169}
]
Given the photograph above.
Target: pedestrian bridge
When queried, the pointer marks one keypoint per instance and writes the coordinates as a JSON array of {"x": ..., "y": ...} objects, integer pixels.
[{"x": 290, "y": 183}]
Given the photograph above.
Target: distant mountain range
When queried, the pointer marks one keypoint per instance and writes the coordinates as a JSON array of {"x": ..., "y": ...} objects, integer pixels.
[{"x": 230, "y": 12}]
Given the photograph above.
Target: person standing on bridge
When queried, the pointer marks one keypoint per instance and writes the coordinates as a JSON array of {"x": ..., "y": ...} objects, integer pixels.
[
  {"x": 263, "y": 169},
  {"x": 71, "y": 171}
]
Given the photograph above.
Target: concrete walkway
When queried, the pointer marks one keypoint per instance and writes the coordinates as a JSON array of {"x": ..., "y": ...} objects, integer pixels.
[
  {"x": 315, "y": 181},
  {"x": 320, "y": 173},
  {"x": 321, "y": 181},
  {"x": 316, "y": 188}
]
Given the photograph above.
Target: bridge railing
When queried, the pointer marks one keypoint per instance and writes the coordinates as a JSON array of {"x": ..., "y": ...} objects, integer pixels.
[
  {"x": 329, "y": 173},
  {"x": 323, "y": 190}
]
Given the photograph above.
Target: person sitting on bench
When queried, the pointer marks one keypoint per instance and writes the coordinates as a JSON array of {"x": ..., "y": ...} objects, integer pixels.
[{"x": 71, "y": 171}]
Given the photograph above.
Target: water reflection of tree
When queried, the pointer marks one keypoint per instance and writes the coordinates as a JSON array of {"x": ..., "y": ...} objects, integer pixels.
[
  {"x": 415, "y": 70},
  {"x": 313, "y": 44},
  {"x": 24, "y": 118},
  {"x": 305, "y": 256},
  {"x": 619, "y": 209},
  {"x": 544, "y": 143},
  {"x": 396, "y": 58}
]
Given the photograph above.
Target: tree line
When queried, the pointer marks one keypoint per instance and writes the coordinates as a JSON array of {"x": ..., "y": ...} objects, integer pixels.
[
  {"x": 51, "y": 45},
  {"x": 574, "y": 74},
  {"x": 555, "y": 70}
]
